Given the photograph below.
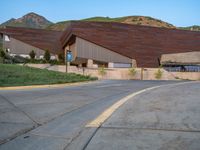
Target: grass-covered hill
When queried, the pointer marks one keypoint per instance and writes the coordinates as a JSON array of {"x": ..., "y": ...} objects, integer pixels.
[{"x": 136, "y": 20}]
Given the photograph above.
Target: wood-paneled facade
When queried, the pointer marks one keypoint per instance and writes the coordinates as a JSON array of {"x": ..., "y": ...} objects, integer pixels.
[{"x": 82, "y": 50}]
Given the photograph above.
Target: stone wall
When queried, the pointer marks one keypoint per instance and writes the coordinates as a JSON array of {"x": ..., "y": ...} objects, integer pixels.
[{"x": 187, "y": 75}]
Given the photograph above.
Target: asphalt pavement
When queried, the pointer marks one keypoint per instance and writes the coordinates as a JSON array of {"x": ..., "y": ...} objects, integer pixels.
[{"x": 56, "y": 118}]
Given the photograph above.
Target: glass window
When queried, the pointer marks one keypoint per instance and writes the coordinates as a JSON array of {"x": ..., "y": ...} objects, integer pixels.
[
  {"x": 8, "y": 50},
  {"x": 7, "y": 38}
]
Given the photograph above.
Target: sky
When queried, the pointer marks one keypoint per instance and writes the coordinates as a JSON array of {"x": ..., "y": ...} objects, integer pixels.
[{"x": 177, "y": 12}]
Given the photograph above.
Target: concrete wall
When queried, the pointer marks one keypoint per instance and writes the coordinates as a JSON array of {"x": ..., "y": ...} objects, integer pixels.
[
  {"x": 122, "y": 73},
  {"x": 187, "y": 75}
]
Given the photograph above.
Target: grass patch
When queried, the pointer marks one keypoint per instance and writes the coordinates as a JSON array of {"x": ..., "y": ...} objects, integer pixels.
[{"x": 14, "y": 75}]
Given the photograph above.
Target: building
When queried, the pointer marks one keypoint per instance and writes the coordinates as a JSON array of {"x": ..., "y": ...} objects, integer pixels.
[
  {"x": 108, "y": 44},
  {"x": 21, "y": 41},
  {"x": 181, "y": 62},
  {"x": 123, "y": 45}
]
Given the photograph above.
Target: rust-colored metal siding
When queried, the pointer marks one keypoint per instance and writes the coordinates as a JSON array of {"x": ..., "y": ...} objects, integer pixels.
[
  {"x": 92, "y": 51},
  {"x": 40, "y": 38},
  {"x": 143, "y": 43}
]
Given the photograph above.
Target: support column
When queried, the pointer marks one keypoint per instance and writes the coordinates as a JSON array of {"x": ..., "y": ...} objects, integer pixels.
[
  {"x": 142, "y": 73},
  {"x": 134, "y": 63},
  {"x": 80, "y": 65},
  {"x": 67, "y": 64},
  {"x": 110, "y": 65},
  {"x": 90, "y": 63}
]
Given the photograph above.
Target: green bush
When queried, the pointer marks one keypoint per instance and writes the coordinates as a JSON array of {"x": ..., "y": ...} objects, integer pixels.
[
  {"x": 19, "y": 59},
  {"x": 158, "y": 74},
  {"x": 32, "y": 54},
  {"x": 102, "y": 71},
  {"x": 47, "y": 56},
  {"x": 36, "y": 61},
  {"x": 56, "y": 62},
  {"x": 2, "y": 53},
  {"x": 132, "y": 72},
  {"x": 61, "y": 57},
  {"x": 1, "y": 60}
]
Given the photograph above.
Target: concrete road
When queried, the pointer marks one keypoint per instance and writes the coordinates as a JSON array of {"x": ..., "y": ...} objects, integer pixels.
[
  {"x": 55, "y": 118},
  {"x": 167, "y": 118}
]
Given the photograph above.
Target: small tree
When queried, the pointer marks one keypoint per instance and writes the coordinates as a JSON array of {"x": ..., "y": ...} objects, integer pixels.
[
  {"x": 2, "y": 53},
  {"x": 32, "y": 54},
  {"x": 102, "y": 71},
  {"x": 158, "y": 74},
  {"x": 47, "y": 56},
  {"x": 132, "y": 72},
  {"x": 61, "y": 57}
]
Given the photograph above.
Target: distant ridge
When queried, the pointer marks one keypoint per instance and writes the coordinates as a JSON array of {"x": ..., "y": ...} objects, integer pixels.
[
  {"x": 192, "y": 28},
  {"x": 136, "y": 20},
  {"x": 31, "y": 20}
]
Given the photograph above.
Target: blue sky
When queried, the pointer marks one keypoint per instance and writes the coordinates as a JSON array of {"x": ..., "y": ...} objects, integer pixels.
[{"x": 177, "y": 12}]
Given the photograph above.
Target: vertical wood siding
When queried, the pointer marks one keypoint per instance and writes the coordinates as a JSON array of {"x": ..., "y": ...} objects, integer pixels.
[
  {"x": 20, "y": 48},
  {"x": 86, "y": 49}
]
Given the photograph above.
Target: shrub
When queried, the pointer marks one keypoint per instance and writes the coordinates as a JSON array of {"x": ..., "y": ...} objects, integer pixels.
[
  {"x": 102, "y": 71},
  {"x": 2, "y": 56},
  {"x": 19, "y": 59},
  {"x": 2, "y": 53},
  {"x": 55, "y": 62},
  {"x": 32, "y": 54},
  {"x": 61, "y": 57},
  {"x": 140, "y": 19},
  {"x": 1, "y": 60},
  {"x": 47, "y": 56},
  {"x": 158, "y": 74},
  {"x": 132, "y": 72}
]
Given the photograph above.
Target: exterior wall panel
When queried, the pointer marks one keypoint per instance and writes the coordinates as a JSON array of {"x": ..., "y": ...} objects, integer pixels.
[
  {"x": 17, "y": 47},
  {"x": 73, "y": 50},
  {"x": 88, "y": 50}
]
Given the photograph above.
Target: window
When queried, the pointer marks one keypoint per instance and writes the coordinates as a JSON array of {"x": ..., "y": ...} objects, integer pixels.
[
  {"x": 8, "y": 50},
  {"x": 7, "y": 38}
]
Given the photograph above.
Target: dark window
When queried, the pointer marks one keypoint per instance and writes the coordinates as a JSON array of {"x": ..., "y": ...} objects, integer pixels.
[{"x": 182, "y": 68}]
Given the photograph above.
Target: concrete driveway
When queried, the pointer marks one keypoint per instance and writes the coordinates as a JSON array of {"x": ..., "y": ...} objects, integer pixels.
[
  {"x": 167, "y": 118},
  {"x": 55, "y": 118}
]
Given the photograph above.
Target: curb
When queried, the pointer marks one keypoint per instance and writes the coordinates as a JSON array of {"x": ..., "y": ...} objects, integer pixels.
[{"x": 44, "y": 86}]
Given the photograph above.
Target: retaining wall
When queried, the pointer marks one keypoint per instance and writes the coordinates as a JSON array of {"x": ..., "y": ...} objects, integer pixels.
[{"x": 122, "y": 73}]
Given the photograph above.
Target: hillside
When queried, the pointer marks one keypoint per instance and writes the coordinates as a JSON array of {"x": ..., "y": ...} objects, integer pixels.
[
  {"x": 136, "y": 20},
  {"x": 192, "y": 28},
  {"x": 31, "y": 20}
]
